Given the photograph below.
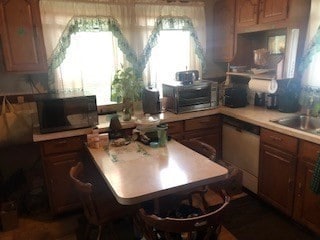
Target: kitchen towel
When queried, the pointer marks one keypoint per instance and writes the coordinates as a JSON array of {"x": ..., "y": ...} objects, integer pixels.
[
  {"x": 315, "y": 183},
  {"x": 263, "y": 85}
]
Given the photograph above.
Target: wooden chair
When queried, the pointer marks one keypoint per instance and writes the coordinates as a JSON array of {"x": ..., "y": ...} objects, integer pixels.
[
  {"x": 204, "y": 226},
  {"x": 99, "y": 205},
  {"x": 233, "y": 184}
]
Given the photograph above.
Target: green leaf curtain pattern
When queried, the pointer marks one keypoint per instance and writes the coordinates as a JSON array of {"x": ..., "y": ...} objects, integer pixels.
[
  {"x": 93, "y": 24},
  {"x": 88, "y": 24},
  {"x": 310, "y": 95},
  {"x": 171, "y": 23},
  {"x": 313, "y": 49}
]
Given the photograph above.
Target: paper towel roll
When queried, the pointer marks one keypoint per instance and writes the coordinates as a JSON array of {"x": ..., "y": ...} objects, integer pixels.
[{"x": 262, "y": 85}]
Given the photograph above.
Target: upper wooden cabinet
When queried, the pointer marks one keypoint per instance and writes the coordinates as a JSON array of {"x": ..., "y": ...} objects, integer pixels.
[
  {"x": 22, "y": 37},
  {"x": 253, "y": 12},
  {"x": 223, "y": 30}
]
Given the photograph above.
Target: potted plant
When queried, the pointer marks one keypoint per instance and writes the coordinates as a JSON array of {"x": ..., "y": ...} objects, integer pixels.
[{"x": 126, "y": 88}]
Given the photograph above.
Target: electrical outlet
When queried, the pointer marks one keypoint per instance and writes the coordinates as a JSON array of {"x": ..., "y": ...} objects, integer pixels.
[{"x": 20, "y": 99}]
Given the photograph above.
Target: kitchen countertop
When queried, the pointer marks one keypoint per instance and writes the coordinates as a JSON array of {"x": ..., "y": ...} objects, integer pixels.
[{"x": 252, "y": 114}]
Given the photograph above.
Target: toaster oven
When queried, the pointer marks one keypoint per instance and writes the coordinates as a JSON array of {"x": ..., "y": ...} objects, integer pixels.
[{"x": 181, "y": 98}]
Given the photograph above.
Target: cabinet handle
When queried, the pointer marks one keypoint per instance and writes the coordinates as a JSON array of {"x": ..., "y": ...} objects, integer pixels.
[
  {"x": 61, "y": 142},
  {"x": 290, "y": 184},
  {"x": 276, "y": 138},
  {"x": 299, "y": 190}
]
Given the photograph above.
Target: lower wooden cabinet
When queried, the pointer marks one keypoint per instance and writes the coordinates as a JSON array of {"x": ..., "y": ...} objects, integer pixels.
[
  {"x": 307, "y": 203},
  {"x": 58, "y": 156},
  {"x": 276, "y": 178},
  {"x": 175, "y": 130},
  {"x": 277, "y": 169},
  {"x": 206, "y": 129}
]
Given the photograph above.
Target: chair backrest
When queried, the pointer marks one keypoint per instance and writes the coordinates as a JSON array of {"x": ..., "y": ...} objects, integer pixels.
[
  {"x": 85, "y": 191},
  {"x": 205, "y": 226},
  {"x": 202, "y": 148}
]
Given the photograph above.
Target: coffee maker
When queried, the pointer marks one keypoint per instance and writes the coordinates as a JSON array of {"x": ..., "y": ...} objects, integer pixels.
[{"x": 150, "y": 100}]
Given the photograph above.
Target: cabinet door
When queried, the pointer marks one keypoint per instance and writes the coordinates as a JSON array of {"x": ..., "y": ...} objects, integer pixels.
[
  {"x": 21, "y": 35},
  {"x": 223, "y": 30},
  {"x": 307, "y": 204},
  {"x": 175, "y": 130},
  {"x": 247, "y": 13},
  {"x": 61, "y": 192},
  {"x": 276, "y": 177},
  {"x": 273, "y": 10}
]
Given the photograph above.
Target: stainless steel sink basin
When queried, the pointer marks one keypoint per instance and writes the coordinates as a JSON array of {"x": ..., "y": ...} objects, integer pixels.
[{"x": 301, "y": 122}]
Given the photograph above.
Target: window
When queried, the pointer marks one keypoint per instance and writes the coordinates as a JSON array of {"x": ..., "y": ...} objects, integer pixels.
[
  {"x": 172, "y": 54},
  {"x": 91, "y": 61},
  {"x": 93, "y": 57}
]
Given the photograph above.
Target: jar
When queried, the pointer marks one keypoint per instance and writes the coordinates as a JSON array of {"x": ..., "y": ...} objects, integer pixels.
[{"x": 162, "y": 134}]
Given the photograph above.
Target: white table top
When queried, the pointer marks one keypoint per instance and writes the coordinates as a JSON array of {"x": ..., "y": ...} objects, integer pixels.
[{"x": 137, "y": 173}]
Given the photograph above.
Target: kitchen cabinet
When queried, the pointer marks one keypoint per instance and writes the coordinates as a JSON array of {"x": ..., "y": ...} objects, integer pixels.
[
  {"x": 278, "y": 157},
  {"x": 175, "y": 130},
  {"x": 223, "y": 30},
  {"x": 307, "y": 204},
  {"x": 253, "y": 12},
  {"x": 22, "y": 37},
  {"x": 206, "y": 129},
  {"x": 58, "y": 156}
]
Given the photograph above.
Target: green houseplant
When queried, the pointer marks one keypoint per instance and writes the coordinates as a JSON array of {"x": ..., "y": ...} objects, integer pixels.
[{"x": 126, "y": 88}]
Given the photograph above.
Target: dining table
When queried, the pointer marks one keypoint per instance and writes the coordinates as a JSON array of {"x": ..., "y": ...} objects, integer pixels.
[{"x": 136, "y": 172}]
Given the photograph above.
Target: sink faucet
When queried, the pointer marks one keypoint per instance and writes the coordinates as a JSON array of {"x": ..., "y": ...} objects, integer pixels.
[{"x": 313, "y": 108}]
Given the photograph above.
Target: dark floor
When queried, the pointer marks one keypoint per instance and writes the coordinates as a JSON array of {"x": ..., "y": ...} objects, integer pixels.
[{"x": 248, "y": 218}]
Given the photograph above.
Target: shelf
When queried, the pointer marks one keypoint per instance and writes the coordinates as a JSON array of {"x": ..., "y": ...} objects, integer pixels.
[{"x": 251, "y": 75}]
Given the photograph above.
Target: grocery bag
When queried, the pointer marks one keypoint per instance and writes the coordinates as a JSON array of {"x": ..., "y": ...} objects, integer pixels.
[{"x": 15, "y": 126}]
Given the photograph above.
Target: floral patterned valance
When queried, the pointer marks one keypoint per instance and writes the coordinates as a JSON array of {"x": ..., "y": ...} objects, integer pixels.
[
  {"x": 88, "y": 24},
  {"x": 171, "y": 23}
]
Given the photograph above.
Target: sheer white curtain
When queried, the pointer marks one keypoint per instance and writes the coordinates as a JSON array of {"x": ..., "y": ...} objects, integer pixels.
[
  {"x": 137, "y": 19},
  {"x": 311, "y": 75},
  {"x": 175, "y": 50}
]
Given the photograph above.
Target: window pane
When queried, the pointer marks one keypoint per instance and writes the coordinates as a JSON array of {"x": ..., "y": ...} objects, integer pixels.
[
  {"x": 90, "y": 63},
  {"x": 171, "y": 54}
]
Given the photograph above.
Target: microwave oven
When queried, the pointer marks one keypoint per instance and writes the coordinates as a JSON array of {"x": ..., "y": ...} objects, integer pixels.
[
  {"x": 58, "y": 112},
  {"x": 181, "y": 98}
]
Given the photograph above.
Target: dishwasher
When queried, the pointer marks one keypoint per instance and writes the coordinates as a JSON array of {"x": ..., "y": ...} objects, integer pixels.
[{"x": 240, "y": 147}]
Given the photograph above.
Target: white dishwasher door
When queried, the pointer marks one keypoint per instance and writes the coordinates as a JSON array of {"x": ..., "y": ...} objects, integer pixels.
[{"x": 241, "y": 148}]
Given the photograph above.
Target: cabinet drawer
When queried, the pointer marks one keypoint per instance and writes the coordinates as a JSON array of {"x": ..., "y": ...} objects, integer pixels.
[
  {"x": 175, "y": 127},
  {"x": 279, "y": 140},
  {"x": 203, "y": 122},
  {"x": 309, "y": 151},
  {"x": 63, "y": 145}
]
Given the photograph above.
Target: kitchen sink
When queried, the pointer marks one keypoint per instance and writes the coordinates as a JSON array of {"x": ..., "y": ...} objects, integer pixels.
[{"x": 301, "y": 122}]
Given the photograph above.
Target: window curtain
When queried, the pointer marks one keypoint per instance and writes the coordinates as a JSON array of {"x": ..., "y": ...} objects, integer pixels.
[
  {"x": 61, "y": 19},
  {"x": 133, "y": 20},
  {"x": 311, "y": 60}
]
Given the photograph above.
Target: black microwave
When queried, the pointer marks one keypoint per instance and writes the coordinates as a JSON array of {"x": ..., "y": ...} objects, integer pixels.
[
  {"x": 58, "y": 112},
  {"x": 181, "y": 98}
]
